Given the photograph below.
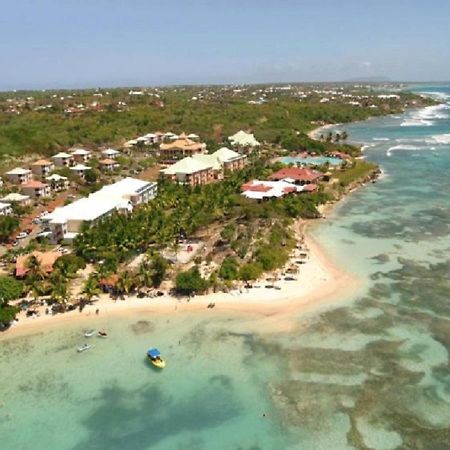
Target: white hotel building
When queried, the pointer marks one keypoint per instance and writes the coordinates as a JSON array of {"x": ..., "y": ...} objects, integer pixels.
[{"x": 65, "y": 222}]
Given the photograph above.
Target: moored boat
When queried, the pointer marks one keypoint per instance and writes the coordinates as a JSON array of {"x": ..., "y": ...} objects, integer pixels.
[
  {"x": 83, "y": 348},
  {"x": 89, "y": 333},
  {"x": 102, "y": 334},
  {"x": 154, "y": 356}
]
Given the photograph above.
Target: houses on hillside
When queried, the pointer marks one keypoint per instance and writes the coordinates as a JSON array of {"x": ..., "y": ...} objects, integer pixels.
[
  {"x": 65, "y": 222},
  {"x": 42, "y": 167},
  {"x": 5, "y": 209},
  {"x": 62, "y": 159},
  {"x": 36, "y": 189},
  {"x": 80, "y": 155},
  {"x": 19, "y": 175}
]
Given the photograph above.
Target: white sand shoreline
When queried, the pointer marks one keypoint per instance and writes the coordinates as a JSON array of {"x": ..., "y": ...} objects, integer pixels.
[{"x": 318, "y": 283}]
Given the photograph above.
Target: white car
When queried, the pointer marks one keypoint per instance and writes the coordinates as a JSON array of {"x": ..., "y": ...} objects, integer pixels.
[{"x": 22, "y": 235}]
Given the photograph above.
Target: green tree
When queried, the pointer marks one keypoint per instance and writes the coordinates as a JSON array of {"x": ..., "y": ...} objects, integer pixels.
[
  {"x": 91, "y": 287},
  {"x": 229, "y": 269},
  {"x": 125, "y": 283},
  {"x": 190, "y": 282},
  {"x": 8, "y": 225},
  {"x": 250, "y": 271},
  {"x": 10, "y": 289},
  {"x": 91, "y": 176}
]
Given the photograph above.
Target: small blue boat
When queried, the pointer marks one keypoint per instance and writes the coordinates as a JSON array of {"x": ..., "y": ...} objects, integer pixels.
[{"x": 154, "y": 355}]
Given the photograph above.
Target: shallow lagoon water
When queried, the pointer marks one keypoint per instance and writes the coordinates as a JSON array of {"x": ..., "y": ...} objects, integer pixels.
[{"x": 371, "y": 372}]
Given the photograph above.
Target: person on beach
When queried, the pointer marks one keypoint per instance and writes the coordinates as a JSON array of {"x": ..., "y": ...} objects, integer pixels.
[{"x": 97, "y": 311}]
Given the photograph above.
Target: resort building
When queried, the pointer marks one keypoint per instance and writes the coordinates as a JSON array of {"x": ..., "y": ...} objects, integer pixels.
[
  {"x": 151, "y": 138},
  {"x": 80, "y": 155},
  {"x": 65, "y": 222},
  {"x": 62, "y": 159},
  {"x": 180, "y": 148},
  {"x": 297, "y": 175},
  {"x": 46, "y": 261},
  {"x": 110, "y": 153},
  {"x": 79, "y": 169},
  {"x": 15, "y": 197},
  {"x": 261, "y": 190},
  {"x": 42, "y": 167},
  {"x": 5, "y": 209},
  {"x": 36, "y": 189},
  {"x": 57, "y": 182},
  {"x": 108, "y": 165},
  {"x": 169, "y": 137},
  {"x": 190, "y": 171},
  {"x": 204, "y": 168},
  {"x": 230, "y": 160},
  {"x": 19, "y": 175},
  {"x": 243, "y": 141}
]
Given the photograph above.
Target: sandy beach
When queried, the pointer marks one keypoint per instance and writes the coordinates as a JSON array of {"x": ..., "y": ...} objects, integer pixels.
[
  {"x": 314, "y": 134},
  {"x": 318, "y": 282}
]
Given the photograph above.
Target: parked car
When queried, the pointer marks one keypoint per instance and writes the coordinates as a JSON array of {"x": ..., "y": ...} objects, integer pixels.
[{"x": 22, "y": 235}]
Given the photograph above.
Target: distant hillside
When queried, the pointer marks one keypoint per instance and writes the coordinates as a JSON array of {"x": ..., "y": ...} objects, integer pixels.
[{"x": 378, "y": 79}]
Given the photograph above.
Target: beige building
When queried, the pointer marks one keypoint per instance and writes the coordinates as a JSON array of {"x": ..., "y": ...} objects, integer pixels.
[
  {"x": 36, "y": 189},
  {"x": 190, "y": 171},
  {"x": 19, "y": 175},
  {"x": 42, "y": 167},
  {"x": 204, "y": 168},
  {"x": 108, "y": 164},
  {"x": 62, "y": 159},
  {"x": 80, "y": 155}
]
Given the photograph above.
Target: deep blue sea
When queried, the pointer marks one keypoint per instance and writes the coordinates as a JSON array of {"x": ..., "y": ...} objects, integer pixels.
[{"x": 369, "y": 372}]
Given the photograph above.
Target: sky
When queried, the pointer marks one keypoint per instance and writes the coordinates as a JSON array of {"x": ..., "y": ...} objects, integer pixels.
[{"x": 95, "y": 43}]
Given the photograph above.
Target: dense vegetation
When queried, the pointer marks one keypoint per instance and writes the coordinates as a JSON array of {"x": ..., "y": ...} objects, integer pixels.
[{"x": 42, "y": 125}]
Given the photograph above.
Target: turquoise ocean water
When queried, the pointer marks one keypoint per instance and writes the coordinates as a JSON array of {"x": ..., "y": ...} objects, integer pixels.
[{"x": 371, "y": 372}]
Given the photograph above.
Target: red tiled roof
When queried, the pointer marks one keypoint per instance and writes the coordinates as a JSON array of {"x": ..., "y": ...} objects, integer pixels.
[
  {"x": 34, "y": 184},
  {"x": 310, "y": 187},
  {"x": 109, "y": 281},
  {"x": 297, "y": 174},
  {"x": 42, "y": 162},
  {"x": 46, "y": 259},
  {"x": 255, "y": 187}
]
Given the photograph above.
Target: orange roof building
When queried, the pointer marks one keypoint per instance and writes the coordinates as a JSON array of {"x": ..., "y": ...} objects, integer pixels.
[
  {"x": 298, "y": 175},
  {"x": 46, "y": 260},
  {"x": 181, "y": 148}
]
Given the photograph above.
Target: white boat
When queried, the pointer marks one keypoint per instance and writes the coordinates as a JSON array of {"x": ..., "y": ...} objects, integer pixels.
[
  {"x": 89, "y": 333},
  {"x": 102, "y": 334},
  {"x": 84, "y": 347}
]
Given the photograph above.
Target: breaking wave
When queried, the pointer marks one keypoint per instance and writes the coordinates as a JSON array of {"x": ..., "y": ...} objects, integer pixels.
[
  {"x": 442, "y": 139},
  {"x": 417, "y": 123},
  {"x": 405, "y": 147}
]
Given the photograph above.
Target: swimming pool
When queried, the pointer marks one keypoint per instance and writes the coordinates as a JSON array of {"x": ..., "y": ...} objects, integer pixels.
[{"x": 312, "y": 160}]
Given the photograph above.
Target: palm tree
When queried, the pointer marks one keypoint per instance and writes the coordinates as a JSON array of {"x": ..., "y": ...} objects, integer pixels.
[
  {"x": 60, "y": 288},
  {"x": 35, "y": 269},
  {"x": 145, "y": 274},
  {"x": 91, "y": 288},
  {"x": 125, "y": 283}
]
